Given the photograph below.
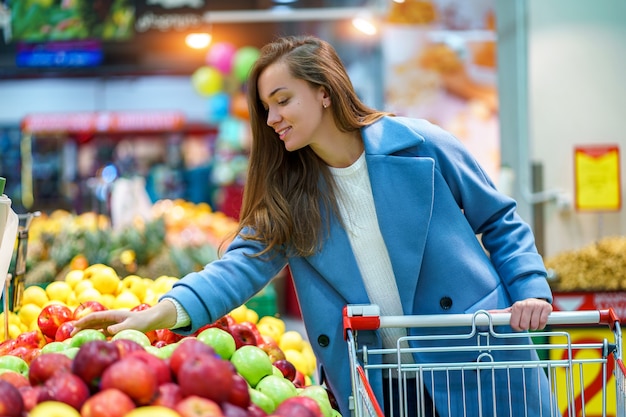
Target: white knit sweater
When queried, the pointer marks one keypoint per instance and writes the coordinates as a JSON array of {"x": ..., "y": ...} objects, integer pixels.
[{"x": 356, "y": 207}]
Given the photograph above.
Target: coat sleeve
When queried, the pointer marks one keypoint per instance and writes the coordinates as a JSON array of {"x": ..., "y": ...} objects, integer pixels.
[
  {"x": 225, "y": 283},
  {"x": 506, "y": 237}
]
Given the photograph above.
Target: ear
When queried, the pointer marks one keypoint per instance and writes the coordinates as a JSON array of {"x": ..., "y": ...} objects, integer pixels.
[{"x": 323, "y": 95}]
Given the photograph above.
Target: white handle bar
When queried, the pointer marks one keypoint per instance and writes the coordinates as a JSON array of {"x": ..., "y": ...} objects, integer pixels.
[{"x": 367, "y": 317}]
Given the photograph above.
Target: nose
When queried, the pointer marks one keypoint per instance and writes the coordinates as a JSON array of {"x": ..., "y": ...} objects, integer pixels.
[{"x": 272, "y": 117}]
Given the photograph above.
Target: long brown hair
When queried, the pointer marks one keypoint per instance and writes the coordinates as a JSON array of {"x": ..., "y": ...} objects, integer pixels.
[{"x": 288, "y": 195}]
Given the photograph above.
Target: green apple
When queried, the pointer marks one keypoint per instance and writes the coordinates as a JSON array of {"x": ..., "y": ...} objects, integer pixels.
[
  {"x": 252, "y": 363},
  {"x": 264, "y": 402},
  {"x": 134, "y": 335},
  {"x": 277, "y": 372},
  {"x": 86, "y": 335},
  {"x": 319, "y": 394},
  {"x": 13, "y": 363},
  {"x": 220, "y": 340},
  {"x": 278, "y": 388},
  {"x": 166, "y": 351},
  {"x": 71, "y": 351},
  {"x": 54, "y": 347}
]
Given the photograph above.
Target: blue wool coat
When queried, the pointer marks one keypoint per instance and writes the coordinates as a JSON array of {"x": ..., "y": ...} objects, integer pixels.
[{"x": 432, "y": 200}]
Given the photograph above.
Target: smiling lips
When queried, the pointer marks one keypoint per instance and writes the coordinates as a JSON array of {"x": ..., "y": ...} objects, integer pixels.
[{"x": 281, "y": 133}]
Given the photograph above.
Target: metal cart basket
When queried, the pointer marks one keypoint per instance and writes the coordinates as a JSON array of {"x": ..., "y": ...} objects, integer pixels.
[{"x": 564, "y": 364}]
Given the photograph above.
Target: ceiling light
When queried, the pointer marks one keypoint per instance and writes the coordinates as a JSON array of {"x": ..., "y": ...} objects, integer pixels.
[{"x": 198, "y": 40}]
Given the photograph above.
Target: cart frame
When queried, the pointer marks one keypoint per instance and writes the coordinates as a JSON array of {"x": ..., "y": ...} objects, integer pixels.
[{"x": 565, "y": 373}]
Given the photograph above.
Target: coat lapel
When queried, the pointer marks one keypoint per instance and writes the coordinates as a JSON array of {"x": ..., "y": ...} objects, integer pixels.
[
  {"x": 403, "y": 196},
  {"x": 403, "y": 189}
]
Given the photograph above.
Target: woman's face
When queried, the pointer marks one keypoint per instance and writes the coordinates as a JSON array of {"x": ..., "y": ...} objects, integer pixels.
[{"x": 294, "y": 108}]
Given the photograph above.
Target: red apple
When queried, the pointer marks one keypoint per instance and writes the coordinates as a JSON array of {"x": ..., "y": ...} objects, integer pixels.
[
  {"x": 299, "y": 381},
  {"x": 243, "y": 335},
  {"x": 7, "y": 346},
  {"x": 66, "y": 388},
  {"x": 272, "y": 349},
  {"x": 87, "y": 307},
  {"x": 30, "y": 395},
  {"x": 44, "y": 366},
  {"x": 286, "y": 368},
  {"x": 167, "y": 336},
  {"x": 231, "y": 410},
  {"x": 206, "y": 375},
  {"x": 255, "y": 331},
  {"x": 107, "y": 403},
  {"x": 92, "y": 359},
  {"x": 32, "y": 339},
  {"x": 299, "y": 406},
  {"x": 14, "y": 378},
  {"x": 25, "y": 353},
  {"x": 169, "y": 395},
  {"x": 160, "y": 367},
  {"x": 51, "y": 317},
  {"x": 11, "y": 402},
  {"x": 194, "y": 406},
  {"x": 255, "y": 411},
  {"x": 132, "y": 376},
  {"x": 239, "y": 393},
  {"x": 64, "y": 331},
  {"x": 185, "y": 350},
  {"x": 127, "y": 346}
]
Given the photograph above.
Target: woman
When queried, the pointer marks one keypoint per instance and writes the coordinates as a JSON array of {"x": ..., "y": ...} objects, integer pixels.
[{"x": 364, "y": 207}]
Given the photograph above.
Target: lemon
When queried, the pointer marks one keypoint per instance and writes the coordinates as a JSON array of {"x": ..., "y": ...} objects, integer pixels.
[
  {"x": 89, "y": 294},
  {"x": 93, "y": 269},
  {"x": 163, "y": 284},
  {"x": 106, "y": 280},
  {"x": 279, "y": 324},
  {"x": 29, "y": 313},
  {"x": 14, "y": 331},
  {"x": 58, "y": 290},
  {"x": 239, "y": 313},
  {"x": 291, "y": 340},
  {"x": 252, "y": 316},
  {"x": 107, "y": 300},
  {"x": 74, "y": 276},
  {"x": 126, "y": 300},
  {"x": 299, "y": 361},
  {"x": 72, "y": 300},
  {"x": 35, "y": 295},
  {"x": 82, "y": 286}
]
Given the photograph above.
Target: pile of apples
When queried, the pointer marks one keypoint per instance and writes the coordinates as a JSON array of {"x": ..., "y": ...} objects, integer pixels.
[
  {"x": 205, "y": 375},
  {"x": 57, "y": 374}
]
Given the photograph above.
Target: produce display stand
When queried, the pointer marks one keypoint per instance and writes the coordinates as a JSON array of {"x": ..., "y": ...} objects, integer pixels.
[
  {"x": 567, "y": 364},
  {"x": 14, "y": 285}
]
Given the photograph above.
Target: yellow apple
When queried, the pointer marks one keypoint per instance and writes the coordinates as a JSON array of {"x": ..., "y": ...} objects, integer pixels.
[{"x": 53, "y": 409}]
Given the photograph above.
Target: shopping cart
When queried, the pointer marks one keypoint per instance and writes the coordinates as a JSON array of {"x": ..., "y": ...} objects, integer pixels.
[{"x": 565, "y": 364}]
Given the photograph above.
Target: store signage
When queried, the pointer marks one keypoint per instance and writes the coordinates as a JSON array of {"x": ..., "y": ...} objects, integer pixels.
[
  {"x": 105, "y": 122},
  {"x": 577, "y": 301},
  {"x": 79, "y": 53},
  {"x": 597, "y": 178},
  {"x": 170, "y": 4}
]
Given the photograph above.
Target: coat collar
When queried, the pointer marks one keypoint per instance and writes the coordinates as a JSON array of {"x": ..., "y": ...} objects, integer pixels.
[{"x": 377, "y": 136}]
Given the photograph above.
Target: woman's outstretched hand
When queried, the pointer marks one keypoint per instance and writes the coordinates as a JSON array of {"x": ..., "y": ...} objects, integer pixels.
[
  {"x": 160, "y": 316},
  {"x": 528, "y": 314}
]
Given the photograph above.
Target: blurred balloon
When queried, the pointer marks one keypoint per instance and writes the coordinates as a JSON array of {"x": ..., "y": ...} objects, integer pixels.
[
  {"x": 207, "y": 80},
  {"x": 239, "y": 106},
  {"x": 218, "y": 106},
  {"x": 245, "y": 58},
  {"x": 230, "y": 84},
  {"x": 220, "y": 56}
]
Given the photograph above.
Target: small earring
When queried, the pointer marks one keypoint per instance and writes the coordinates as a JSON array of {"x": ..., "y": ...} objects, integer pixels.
[{"x": 325, "y": 105}]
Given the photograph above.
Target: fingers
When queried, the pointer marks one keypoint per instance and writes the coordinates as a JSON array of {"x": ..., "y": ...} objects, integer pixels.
[
  {"x": 530, "y": 314},
  {"x": 102, "y": 320}
]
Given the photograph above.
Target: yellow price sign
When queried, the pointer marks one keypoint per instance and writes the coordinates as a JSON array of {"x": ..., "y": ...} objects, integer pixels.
[
  {"x": 597, "y": 175},
  {"x": 584, "y": 388}
]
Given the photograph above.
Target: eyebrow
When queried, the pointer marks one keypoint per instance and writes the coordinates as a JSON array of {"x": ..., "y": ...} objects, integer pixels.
[{"x": 276, "y": 90}]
